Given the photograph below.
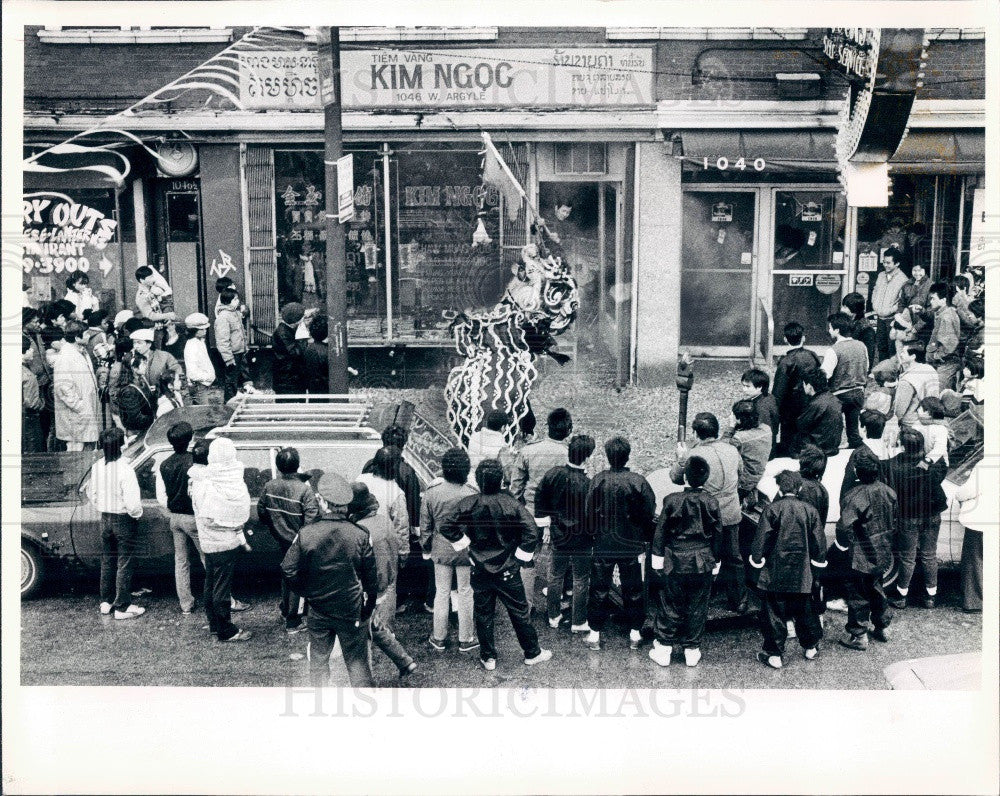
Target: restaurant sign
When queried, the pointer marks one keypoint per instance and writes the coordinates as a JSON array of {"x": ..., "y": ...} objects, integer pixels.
[{"x": 480, "y": 77}]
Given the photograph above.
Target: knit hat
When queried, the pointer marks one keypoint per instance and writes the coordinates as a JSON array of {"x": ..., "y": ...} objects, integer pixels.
[
  {"x": 789, "y": 482},
  {"x": 292, "y": 313},
  {"x": 334, "y": 489},
  {"x": 221, "y": 451},
  {"x": 122, "y": 316},
  {"x": 196, "y": 320},
  {"x": 142, "y": 334},
  {"x": 363, "y": 503}
]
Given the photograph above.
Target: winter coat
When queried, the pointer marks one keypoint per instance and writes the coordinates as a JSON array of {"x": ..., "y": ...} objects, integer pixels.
[
  {"x": 332, "y": 564},
  {"x": 754, "y": 445},
  {"x": 789, "y": 542},
  {"x": 877, "y": 447},
  {"x": 787, "y": 389},
  {"x": 866, "y": 526},
  {"x": 230, "y": 337},
  {"x": 945, "y": 335},
  {"x": 77, "y": 406},
  {"x": 317, "y": 365},
  {"x": 621, "y": 507},
  {"x": 386, "y": 547},
  {"x": 391, "y": 504},
  {"x": 767, "y": 414},
  {"x": 285, "y": 505},
  {"x": 220, "y": 499},
  {"x": 725, "y": 471},
  {"x": 822, "y": 423},
  {"x": 39, "y": 365},
  {"x": 688, "y": 536},
  {"x": 815, "y": 494},
  {"x": 135, "y": 406},
  {"x": 407, "y": 480},
  {"x": 498, "y": 531},
  {"x": 562, "y": 496},
  {"x": 288, "y": 363},
  {"x": 437, "y": 506},
  {"x": 918, "y": 489},
  {"x": 532, "y": 462},
  {"x": 918, "y": 382}
]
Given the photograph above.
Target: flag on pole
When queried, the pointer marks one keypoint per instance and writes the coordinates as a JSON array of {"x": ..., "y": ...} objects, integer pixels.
[{"x": 497, "y": 174}]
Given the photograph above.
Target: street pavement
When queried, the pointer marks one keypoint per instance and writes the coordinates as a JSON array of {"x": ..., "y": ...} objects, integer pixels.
[{"x": 65, "y": 641}]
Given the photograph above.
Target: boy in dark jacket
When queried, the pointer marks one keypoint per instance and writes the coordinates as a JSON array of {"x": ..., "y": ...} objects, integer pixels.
[
  {"x": 621, "y": 505},
  {"x": 286, "y": 504},
  {"x": 864, "y": 534},
  {"x": 686, "y": 548},
  {"x": 288, "y": 372},
  {"x": 789, "y": 543},
  {"x": 787, "y": 390},
  {"x": 822, "y": 421},
  {"x": 500, "y": 534},
  {"x": 562, "y": 496},
  {"x": 172, "y": 492},
  {"x": 920, "y": 503},
  {"x": 812, "y": 465},
  {"x": 754, "y": 386}
]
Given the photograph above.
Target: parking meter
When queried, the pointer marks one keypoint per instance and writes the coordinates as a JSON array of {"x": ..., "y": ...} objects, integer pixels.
[{"x": 685, "y": 379}]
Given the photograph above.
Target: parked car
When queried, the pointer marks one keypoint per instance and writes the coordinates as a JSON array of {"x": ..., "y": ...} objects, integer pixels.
[
  {"x": 961, "y": 672},
  {"x": 60, "y": 528}
]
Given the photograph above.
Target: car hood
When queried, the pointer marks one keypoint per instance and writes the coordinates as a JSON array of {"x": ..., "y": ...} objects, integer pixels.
[{"x": 962, "y": 672}]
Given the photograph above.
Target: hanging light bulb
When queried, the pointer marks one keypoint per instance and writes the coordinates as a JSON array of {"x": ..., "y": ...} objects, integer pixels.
[{"x": 481, "y": 237}]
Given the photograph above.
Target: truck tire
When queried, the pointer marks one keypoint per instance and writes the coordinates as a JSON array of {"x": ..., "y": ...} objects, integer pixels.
[{"x": 32, "y": 569}]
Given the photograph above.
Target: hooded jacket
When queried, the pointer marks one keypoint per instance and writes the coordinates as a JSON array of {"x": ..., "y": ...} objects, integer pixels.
[
  {"x": 230, "y": 338},
  {"x": 220, "y": 498}
]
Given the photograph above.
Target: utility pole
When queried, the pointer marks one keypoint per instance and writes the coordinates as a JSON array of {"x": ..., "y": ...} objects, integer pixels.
[{"x": 328, "y": 41}]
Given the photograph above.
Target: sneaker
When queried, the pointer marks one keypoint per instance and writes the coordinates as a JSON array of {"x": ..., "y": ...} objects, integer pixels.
[
  {"x": 105, "y": 609},
  {"x": 692, "y": 656},
  {"x": 898, "y": 602},
  {"x": 554, "y": 623},
  {"x": 634, "y": 639},
  {"x": 584, "y": 628},
  {"x": 858, "y": 642},
  {"x": 411, "y": 667},
  {"x": 187, "y": 611},
  {"x": 241, "y": 635},
  {"x": 429, "y": 608},
  {"x": 130, "y": 613},
  {"x": 489, "y": 664},
  {"x": 568, "y": 593},
  {"x": 927, "y": 602},
  {"x": 237, "y": 605},
  {"x": 881, "y": 634},
  {"x": 400, "y": 609},
  {"x": 291, "y": 631},
  {"x": 438, "y": 645},
  {"x": 790, "y": 626},
  {"x": 837, "y": 605},
  {"x": 810, "y": 654},
  {"x": 774, "y": 661},
  {"x": 594, "y": 640},
  {"x": 661, "y": 653},
  {"x": 545, "y": 591},
  {"x": 541, "y": 657},
  {"x": 468, "y": 646}
]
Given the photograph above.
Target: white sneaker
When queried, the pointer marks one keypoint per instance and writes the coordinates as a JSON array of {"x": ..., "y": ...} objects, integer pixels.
[
  {"x": 594, "y": 640},
  {"x": 810, "y": 654},
  {"x": 584, "y": 628},
  {"x": 105, "y": 609},
  {"x": 489, "y": 664},
  {"x": 541, "y": 657},
  {"x": 692, "y": 656},
  {"x": 660, "y": 653},
  {"x": 791, "y": 628},
  {"x": 545, "y": 591},
  {"x": 554, "y": 623},
  {"x": 836, "y": 605},
  {"x": 634, "y": 639},
  {"x": 130, "y": 613}
]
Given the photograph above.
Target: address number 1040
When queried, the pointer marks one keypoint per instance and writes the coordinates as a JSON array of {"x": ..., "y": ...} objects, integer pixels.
[{"x": 723, "y": 164}]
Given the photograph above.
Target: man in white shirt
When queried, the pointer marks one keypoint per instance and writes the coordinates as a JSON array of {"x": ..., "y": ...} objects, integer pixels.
[
  {"x": 198, "y": 363},
  {"x": 113, "y": 490},
  {"x": 885, "y": 299},
  {"x": 488, "y": 442}
]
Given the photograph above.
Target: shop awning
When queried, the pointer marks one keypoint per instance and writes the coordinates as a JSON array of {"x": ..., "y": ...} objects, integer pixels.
[{"x": 922, "y": 151}]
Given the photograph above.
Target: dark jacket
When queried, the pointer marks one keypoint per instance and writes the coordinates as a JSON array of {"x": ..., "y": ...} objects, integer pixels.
[
  {"x": 788, "y": 544},
  {"x": 767, "y": 413},
  {"x": 822, "y": 423},
  {"x": 562, "y": 495},
  {"x": 407, "y": 480},
  {"x": 815, "y": 494},
  {"x": 317, "y": 367},
  {"x": 621, "y": 505},
  {"x": 285, "y": 505},
  {"x": 866, "y": 525},
  {"x": 174, "y": 472},
  {"x": 288, "y": 361},
  {"x": 498, "y": 531},
  {"x": 787, "y": 389},
  {"x": 863, "y": 332},
  {"x": 688, "y": 536},
  {"x": 332, "y": 565},
  {"x": 918, "y": 488}
]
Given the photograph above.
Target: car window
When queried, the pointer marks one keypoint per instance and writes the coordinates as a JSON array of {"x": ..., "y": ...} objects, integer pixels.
[
  {"x": 145, "y": 472},
  {"x": 344, "y": 460},
  {"x": 258, "y": 468}
]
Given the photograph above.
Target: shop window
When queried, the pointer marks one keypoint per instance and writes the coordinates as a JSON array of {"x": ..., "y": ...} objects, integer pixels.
[{"x": 580, "y": 159}]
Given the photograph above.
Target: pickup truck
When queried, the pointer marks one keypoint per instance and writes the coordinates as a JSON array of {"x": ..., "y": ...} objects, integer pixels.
[{"x": 60, "y": 529}]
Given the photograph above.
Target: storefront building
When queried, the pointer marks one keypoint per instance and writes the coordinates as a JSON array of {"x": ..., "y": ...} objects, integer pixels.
[{"x": 699, "y": 166}]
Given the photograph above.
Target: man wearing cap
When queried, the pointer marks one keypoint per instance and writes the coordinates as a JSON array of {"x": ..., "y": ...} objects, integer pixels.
[
  {"x": 197, "y": 362},
  {"x": 149, "y": 362},
  {"x": 288, "y": 352},
  {"x": 331, "y": 563}
]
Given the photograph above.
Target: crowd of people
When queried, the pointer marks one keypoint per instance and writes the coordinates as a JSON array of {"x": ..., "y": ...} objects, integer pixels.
[{"x": 506, "y": 522}]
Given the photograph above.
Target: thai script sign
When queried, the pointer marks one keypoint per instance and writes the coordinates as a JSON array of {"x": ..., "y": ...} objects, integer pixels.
[
  {"x": 62, "y": 235},
  {"x": 480, "y": 77}
]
